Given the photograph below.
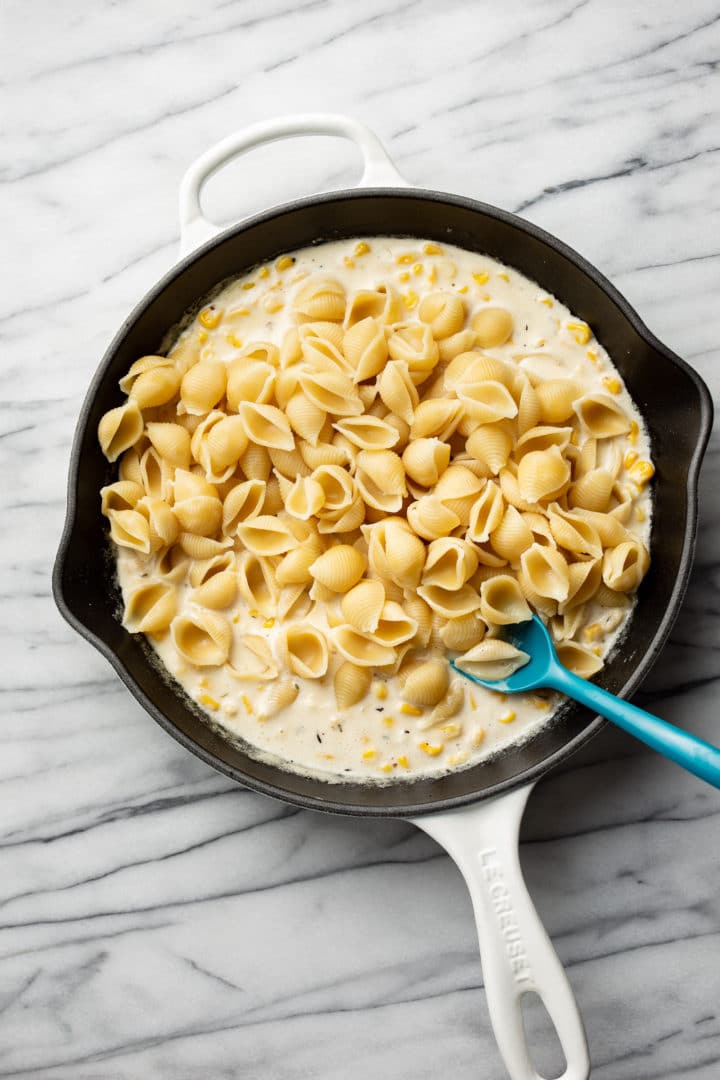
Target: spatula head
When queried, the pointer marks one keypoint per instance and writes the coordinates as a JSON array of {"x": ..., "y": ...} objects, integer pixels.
[{"x": 532, "y": 638}]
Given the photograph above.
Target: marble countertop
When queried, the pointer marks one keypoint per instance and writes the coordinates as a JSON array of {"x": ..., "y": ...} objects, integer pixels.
[{"x": 157, "y": 921}]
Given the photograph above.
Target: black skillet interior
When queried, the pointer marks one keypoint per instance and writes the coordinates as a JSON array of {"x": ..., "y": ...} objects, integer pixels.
[{"x": 672, "y": 398}]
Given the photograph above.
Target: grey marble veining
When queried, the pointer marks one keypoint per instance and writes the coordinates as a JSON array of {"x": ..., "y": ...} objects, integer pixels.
[{"x": 156, "y": 921}]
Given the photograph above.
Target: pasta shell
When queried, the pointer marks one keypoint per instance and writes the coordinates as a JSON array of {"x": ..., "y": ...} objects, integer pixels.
[
  {"x": 490, "y": 444},
  {"x": 294, "y": 568},
  {"x": 448, "y": 706},
  {"x": 397, "y": 390},
  {"x": 172, "y": 442},
  {"x": 394, "y": 626},
  {"x": 512, "y": 536},
  {"x": 249, "y": 380},
  {"x": 602, "y": 417},
  {"x": 267, "y": 426},
  {"x": 305, "y": 498},
  {"x": 219, "y": 591},
  {"x": 279, "y": 696},
  {"x": 119, "y": 429},
  {"x": 539, "y": 528},
  {"x": 528, "y": 408},
  {"x": 437, "y": 418},
  {"x": 128, "y": 528},
  {"x": 339, "y": 568},
  {"x": 322, "y": 331},
  {"x": 486, "y": 514},
  {"x": 585, "y": 578},
  {"x": 381, "y": 303},
  {"x": 450, "y": 563},
  {"x": 557, "y": 398},
  {"x": 203, "y": 386},
  {"x": 362, "y": 606},
  {"x": 543, "y": 475},
  {"x": 592, "y": 491},
  {"x": 251, "y": 659},
  {"x": 162, "y": 520},
  {"x": 360, "y": 650},
  {"x": 338, "y": 488},
  {"x": 502, "y": 602},
  {"x": 293, "y": 602},
  {"x": 492, "y": 659},
  {"x": 203, "y": 638},
  {"x": 414, "y": 345},
  {"x": 365, "y": 349},
  {"x": 368, "y": 432},
  {"x": 380, "y": 479},
  {"x": 452, "y": 603},
  {"x": 320, "y": 355},
  {"x": 226, "y": 443},
  {"x": 255, "y": 463},
  {"x": 129, "y": 467},
  {"x": 425, "y": 684},
  {"x": 462, "y": 633},
  {"x": 349, "y": 520},
  {"x": 394, "y": 552},
  {"x": 306, "y": 651},
  {"x": 150, "y": 608},
  {"x": 547, "y": 572},
  {"x": 458, "y": 489},
  {"x": 418, "y": 610},
  {"x": 261, "y": 352},
  {"x": 319, "y": 299},
  {"x": 139, "y": 367},
  {"x": 202, "y": 547},
  {"x": 574, "y": 533},
  {"x": 611, "y": 531},
  {"x": 475, "y": 367},
  {"x": 425, "y": 460},
  {"x": 242, "y": 503},
  {"x": 172, "y": 564},
  {"x": 290, "y": 349},
  {"x": 450, "y": 347},
  {"x": 492, "y": 326},
  {"x": 578, "y": 659},
  {"x": 625, "y": 566},
  {"x": 430, "y": 518},
  {"x": 266, "y": 535},
  {"x": 205, "y": 569},
  {"x": 288, "y": 463},
  {"x": 155, "y": 387},
  {"x": 201, "y": 514},
  {"x": 122, "y": 495},
  {"x": 444, "y": 313},
  {"x": 542, "y": 438},
  {"x": 257, "y": 584},
  {"x": 333, "y": 392},
  {"x": 486, "y": 402},
  {"x": 351, "y": 684},
  {"x": 305, "y": 417}
]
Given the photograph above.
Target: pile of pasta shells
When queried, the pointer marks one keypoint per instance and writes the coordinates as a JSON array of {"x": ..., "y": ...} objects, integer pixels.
[{"x": 388, "y": 470}]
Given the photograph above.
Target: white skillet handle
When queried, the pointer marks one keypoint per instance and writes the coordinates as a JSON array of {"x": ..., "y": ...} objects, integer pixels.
[
  {"x": 378, "y": 171},
  {"x": 516, "y": 953}
]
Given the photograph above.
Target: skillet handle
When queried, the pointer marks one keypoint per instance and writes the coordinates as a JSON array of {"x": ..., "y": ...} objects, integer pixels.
[
  {"x": 516, "y": 953},
  {"x": 378, "y": 170}
]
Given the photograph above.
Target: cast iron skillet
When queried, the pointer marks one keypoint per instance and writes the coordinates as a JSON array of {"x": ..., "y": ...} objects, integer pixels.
[{"x": 517, "y": 956}]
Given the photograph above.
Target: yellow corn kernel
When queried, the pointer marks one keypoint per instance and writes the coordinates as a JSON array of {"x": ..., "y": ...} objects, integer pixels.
[
  {"x": 202, "y": 337},
  {"x": 236, "y": 619},
  {"x": 203, "y": 682},
  {"x": 547, "y": 301},
  {"x": 271, "y": 304},
  {"x": 539, "y": 702},
  {"x": 268, "y": 623},
  {"x": 211, "y": 703},
  {"x": 613, "y": 385},
  {"x": 402, "y": 760},
  {"x": 238, "y": 313},
  {"x": 300, "y": 276},
  {"x": 388, "y": 721},
  {"x": 451, "y": 731},
  {"x": 634, "y": 432},
  {"x": 640, "y": 515},
  {"x": 410, "y": 710},
  {"x": 592, "y": 356},
  {"x": 410, "y": 299},
  {"x": 248, "y": 285},
  {"x": 380, "y": 691},
  {"x": 597, "y": 650},
  {"x": 641, "y": 472},
  {"x": 229, "y": 708},
  {"x": 368, "y": 755},
  {"x": 404, "y": 260},
  {"x": 404, "y": 276},
  {"x": 361, "y": 248},
  {"x": 210, "y": 317},
  {"x": 481, "y": 277},
  {"x": 234, "y": 341},
  {"x": 417, "y": 269},
  {"x": 284, "y": 263},
  {"x": 477, "y": 736},
  {"x": 503, "y": 275},
  {"x": 253, "y": 613},
  {"x": 432, "y": 275},
  {"x": 328, "y": 757},
  {"x": 458, "y": 759},
  {"x": 463, "y": 290},
  {"x": 539, "y": 343},
  {"x": 580, "y": 331},
  {"x": 507, "y": 718},
  {"x": 350, "y": 263},
  {"x": 432, "y": 749},
  {"x": 432, "y": 249},
  {"x": 473, "y": 701},
  {"x": 592, "y": 632},
  {"x": 246, "y": 702},
  {"x": 386, "y": 768},
  {"x": 263, "y": 272},
  {"x": 630, "y": 458}
]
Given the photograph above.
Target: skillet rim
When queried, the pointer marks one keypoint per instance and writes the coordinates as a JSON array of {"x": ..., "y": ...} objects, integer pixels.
[{"x": 337, "y": 805}]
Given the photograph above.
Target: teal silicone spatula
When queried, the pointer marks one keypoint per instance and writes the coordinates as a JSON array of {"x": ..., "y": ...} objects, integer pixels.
[{"x": 543, "y": 669}]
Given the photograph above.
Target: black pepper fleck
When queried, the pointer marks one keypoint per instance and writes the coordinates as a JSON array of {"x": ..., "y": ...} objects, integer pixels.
[
  {"x": 380, "y": 709},
  {"x": 317, "y": 736}
]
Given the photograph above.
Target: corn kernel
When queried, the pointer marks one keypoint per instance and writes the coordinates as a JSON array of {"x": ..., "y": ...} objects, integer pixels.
[
  {"x": 473, "y": 701},
  {"x": 361, "y": 248},
  {"x": 539, "y": 702},
  {"x": 539, "y": 343},
  {"x": 614, "y": 385},
  {"x": 271, "y": 304},
  {"x": 238, "y": 313},
  {"x": 481, "y": 277},
  {"x": 432, "y": 275},
  {"x": 458, "y": 759},
  {"x": 380, "y": 691},
  {"x": 410, "y": 299},
  {"x": 211, "y": 703},
  {"x": 404, "y": 260},
  {"x": 432, "y": 749},
  {"x": 203, "y": 682},
  {"x": 404, "y": 276},
  {"x": 236, "y": 619},
  {"x": 642, "y": 472},
  {"x": 417, "y": 269},
  {"x": 263, "y": 272},
  {"x": 328, "y": 757},
  {"x": 386, "y": 768},
  {"x": 630, "y": 458},
  {"x": 202, "y": 337},
  {"x": 547, "y": 301},
  {"x": 284, "y": 263},
  {"x": 300, "y": 276},
  {"x": 234, "y": 341},
  {"x": 268, "y": 623},
  {"x": 592, "y": 356},
  {"x": 634, "y": 432},
  {"x": 507, "y": 718},
  {"x": 229, "y": 708},
  {"x": 388, "y": 721},
  {"x": 350, "y": 263},
  {"x": 597, "y": 650},
  {"x": 210, "y": 317},
  {"x": 432, "y": 249},
  {"x": 248, "y": 285},
  {"x": 253, "y": 613},
  {"x": 410, "y": 710},
  {"x": 463, "y": 290},
  {"x": 246, "y": 702},
  {"x": 486, "y": 296},
  {"x": 580, "y": 331},
  {"x": 477, "y": 736},
  {"x": 451, "y": 731},
  {"x": 368, "y": 755},
  {"x": 503, "y": 275},
  {"x": 402, "y": 760},
  {"x": 592, "y": 632}
]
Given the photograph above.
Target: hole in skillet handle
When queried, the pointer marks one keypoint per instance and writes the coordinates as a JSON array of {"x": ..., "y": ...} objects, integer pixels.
[{"x": 541, "y": 1037}]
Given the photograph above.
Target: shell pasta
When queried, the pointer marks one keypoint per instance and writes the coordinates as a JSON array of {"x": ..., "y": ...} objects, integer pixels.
[{"x": 355, "y": 463}]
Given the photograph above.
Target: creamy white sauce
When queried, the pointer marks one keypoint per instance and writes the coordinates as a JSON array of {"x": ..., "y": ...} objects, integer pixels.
[{"x": 377, "y": 739}]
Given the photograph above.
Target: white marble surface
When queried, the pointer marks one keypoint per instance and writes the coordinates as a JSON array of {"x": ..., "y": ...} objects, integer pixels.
[{"x": 157, "y": 921}]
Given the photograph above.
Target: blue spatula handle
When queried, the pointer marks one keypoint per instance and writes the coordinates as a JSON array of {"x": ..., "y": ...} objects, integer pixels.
[{"x": 695, "y": 755}]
